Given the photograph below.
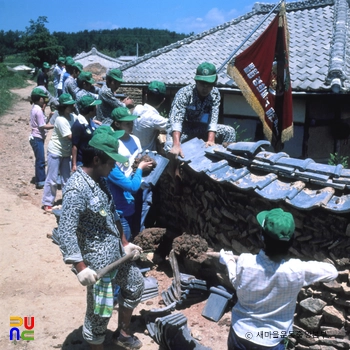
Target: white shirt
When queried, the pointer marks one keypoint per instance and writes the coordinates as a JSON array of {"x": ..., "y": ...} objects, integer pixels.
[
  {"x": 267, "y": 293},
  {"x": 130, "y": 149},
  {"x": 59, "y": 144},
  {"x": 60, "y": 83},
  {"x": 148, "y": 125}
]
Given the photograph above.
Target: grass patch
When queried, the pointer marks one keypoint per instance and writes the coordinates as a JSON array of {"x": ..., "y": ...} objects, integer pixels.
[{"x": 9, "y": 80}]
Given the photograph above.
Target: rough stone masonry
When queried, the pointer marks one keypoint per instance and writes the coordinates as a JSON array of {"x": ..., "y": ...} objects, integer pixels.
[{"x": 225, "y": 218}]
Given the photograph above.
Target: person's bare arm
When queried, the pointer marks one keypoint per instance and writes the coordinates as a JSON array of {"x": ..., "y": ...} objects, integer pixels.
[
  {"x": 74, "y": 157},
  {"x": 176, "y": 149},
  {"x": 211, "y": 139}
]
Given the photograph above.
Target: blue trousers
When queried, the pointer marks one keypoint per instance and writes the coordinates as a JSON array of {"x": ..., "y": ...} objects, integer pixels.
[{"x": 39, "y": 153}]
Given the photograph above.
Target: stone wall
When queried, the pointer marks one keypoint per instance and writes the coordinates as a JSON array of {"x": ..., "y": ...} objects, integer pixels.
[{"x": 225, "y": 218}]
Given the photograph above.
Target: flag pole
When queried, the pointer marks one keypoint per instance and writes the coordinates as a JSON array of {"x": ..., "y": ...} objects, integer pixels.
[{"x": 248, "y": 37}]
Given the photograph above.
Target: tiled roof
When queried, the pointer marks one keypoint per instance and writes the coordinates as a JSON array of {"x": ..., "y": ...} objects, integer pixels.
[
  {"x": 318, "y": 48},
  {"x": 246, "y": 166},
  {"x": 95, "y": 52}
]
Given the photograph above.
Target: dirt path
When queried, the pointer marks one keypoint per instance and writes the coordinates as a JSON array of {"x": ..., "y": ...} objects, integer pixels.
[{"x": 34, "y": 279}]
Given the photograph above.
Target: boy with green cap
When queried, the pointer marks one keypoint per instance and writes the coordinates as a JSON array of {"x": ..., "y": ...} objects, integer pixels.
[
  {"x": 59, "y": 150},
  {"x": 149, "y": 122},
  {"x": 83, "y": 128},
  {"x": 114, "y": 78},
  {"x": 70, "y": 84},
  {"x": 43, "y": 78},
  {"x": 130, "y": 146},
  {"x": 57, "y": 72},
  {"x": 90, "y": 240},
  {"x": 195, "y": 113},
  {"x": 267, "y": 285},
  {"x": 39, "y": 126}
]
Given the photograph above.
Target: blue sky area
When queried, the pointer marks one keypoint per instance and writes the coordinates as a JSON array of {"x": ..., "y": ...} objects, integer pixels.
[{"x": 181, "y": 16}]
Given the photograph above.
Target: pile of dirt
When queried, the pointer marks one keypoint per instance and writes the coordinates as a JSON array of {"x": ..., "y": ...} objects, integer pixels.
[
  {"x": 191, "y": 247},
  {"x": 150, "y": 238},
  {"x": 97, "y": 70}
]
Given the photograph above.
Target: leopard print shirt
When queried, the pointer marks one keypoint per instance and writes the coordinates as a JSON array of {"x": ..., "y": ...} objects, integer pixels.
[
  {"x": 87, "y": 230},
  {"x": 188, "y": 108}
]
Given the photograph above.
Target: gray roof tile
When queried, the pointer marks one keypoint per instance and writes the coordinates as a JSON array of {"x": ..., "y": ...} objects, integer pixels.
[
  {"x": 302, "y": 183},
  {"x": 318, "y": 47}
]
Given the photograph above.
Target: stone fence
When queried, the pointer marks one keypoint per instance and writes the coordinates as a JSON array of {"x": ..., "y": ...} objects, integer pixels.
[{"x": 225, "y": 217}]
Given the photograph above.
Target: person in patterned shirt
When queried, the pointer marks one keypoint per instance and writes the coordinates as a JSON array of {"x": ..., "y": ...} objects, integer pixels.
[
  {"x": 70, "y": 84},
  {"x": 195, "y": 112},
  {"x": 114, "y": 78},
  {"x": 89, "y": 238}
]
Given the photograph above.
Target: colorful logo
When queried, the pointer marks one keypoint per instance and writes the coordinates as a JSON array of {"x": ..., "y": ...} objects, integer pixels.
[{"x": 16, "y": 334}]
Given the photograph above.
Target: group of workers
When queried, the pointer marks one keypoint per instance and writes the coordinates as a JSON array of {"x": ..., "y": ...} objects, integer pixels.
[{"x": 95, "y": 140}]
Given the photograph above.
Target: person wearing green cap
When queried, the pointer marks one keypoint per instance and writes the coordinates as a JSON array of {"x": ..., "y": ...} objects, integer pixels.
[
  {"x": 39, "y": 125},
  {"x": 267, "y": 285},
  {"x": 195, "y": 113},
  {"x": 85, "y": 87},
  {"x": 114, "y": 78},
  {"x": 43, "y": 77},
  {"x": 147, "y": 127},
  {"x": 130, "y": 146},
  {"x": 89, "y": 238},
  {"x": 57, "y": 71},
  {"x": 67, "y": 67},
  {"x": 83, "y": 128},
  {"x": 70, "y": 84},
  {"x": 59, "y": 150},
  {"x": 149, "y": 122}
]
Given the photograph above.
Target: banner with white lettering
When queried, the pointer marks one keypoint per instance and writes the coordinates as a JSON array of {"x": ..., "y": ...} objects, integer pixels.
[{"x": 262, "y": 74}]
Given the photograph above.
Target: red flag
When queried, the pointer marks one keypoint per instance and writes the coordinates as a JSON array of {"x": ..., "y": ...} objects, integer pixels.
[{"x": 262, "y": 73}]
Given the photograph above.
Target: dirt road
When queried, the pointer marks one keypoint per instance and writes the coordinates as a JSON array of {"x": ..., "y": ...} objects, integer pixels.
[{"x": 35, "y": 281}]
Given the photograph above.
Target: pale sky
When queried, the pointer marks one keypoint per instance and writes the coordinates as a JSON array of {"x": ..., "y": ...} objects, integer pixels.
[{"x": 180, "y": 16}]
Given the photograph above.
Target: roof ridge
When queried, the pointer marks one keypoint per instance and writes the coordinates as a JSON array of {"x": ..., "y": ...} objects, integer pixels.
[
  {"x": 97, "y": 53},
  {"x": 338, "y": 47},
  {"x": 189, "y": 39},
  {"x": 257, "y": 9},
  {"x": 292, "y": 6}
]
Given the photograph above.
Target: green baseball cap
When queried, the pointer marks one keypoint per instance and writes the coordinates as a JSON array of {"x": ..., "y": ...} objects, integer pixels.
[
  {"x": 116, "y": 133},
  {"x": 122, "y": 114},
  {"x": 66, "y": 99},
  {"x": 46, "y": 65},
  {"x": 86, "y": 76},
  {"x": 88, "y": 100},
  {"x": 116, "y": 74},
  {"x": 157, "y": 87},
  {"x": 278, "y": 224},
  {"x": 78, "y": 65},
  {"x": 39, "y": 92},
  {"x": 61, "y": 60},
  {"x": 69, "y": 61},
  {"x": 106, "y": 140},
  {"x": 206, "y": 72}
]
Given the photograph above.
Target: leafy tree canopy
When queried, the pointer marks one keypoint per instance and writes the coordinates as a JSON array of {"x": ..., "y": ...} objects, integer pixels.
[{"x": 39, "y": 45}]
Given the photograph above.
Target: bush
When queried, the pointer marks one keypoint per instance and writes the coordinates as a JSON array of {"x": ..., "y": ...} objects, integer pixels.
[
  {"x": 336, "y": 159},
  {"x": 9, "y": 80}
]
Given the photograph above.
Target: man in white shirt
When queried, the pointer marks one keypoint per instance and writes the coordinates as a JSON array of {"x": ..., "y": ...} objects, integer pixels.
[
  {"x": 57, "y": 73},
  {"x": 149, "y": 122},
  {"x": 267, "y": 285}
]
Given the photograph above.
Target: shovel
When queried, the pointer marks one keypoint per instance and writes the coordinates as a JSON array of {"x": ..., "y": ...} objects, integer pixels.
[{"x": 135, "y": 254}]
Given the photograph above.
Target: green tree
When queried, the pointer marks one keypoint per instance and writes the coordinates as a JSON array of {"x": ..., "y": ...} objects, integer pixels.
[{"x": 38, "y": 44}]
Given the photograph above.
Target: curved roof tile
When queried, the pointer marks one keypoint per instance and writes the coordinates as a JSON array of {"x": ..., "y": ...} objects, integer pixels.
[
  {"x": 302, "y": 183},
  {"x": 318, "y": 47}
]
